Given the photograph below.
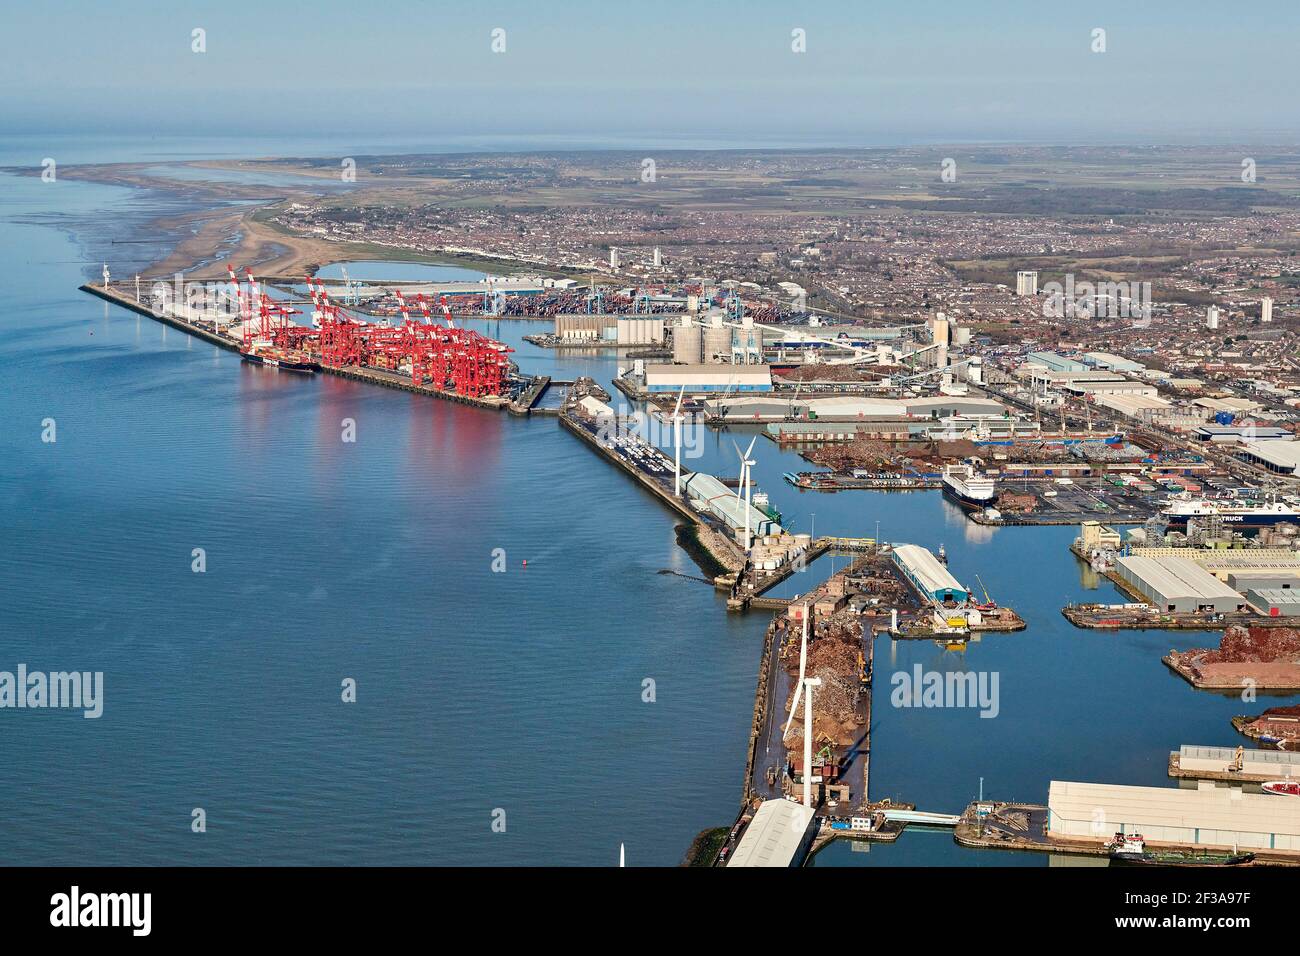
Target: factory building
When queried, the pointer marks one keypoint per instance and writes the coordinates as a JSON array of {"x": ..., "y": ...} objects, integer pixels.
[
  {"x": 595, "y": 328},
  {"x": 1280, "y": 456},
  {"x": 1207, "y": 816},
  {"x": 1273, "y": 764},
  {"x": 708, "y": 378},
  {"x": 1242, "y": 433},
  {"x": 1254, "y": 567},
  {"x": 927, "y": 575},
  {"x": 1112, "y": 363},
  {"x": 1274, "y": 602},
  {"x": 1055, "y": 363},
  {"x": 928, "y": 409},
  {"x": 778, "y": 835},
  {"x": 1177, "y": 584},
  {"x": 707, "y": 493}
]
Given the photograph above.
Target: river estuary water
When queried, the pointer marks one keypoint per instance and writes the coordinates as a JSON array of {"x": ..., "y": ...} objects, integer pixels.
[{"x": 481, "y": 696}]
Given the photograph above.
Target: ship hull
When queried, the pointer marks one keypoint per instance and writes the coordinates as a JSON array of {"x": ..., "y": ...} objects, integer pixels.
[
  {"x": 288, "y": 365},
  {"x": 968, "y": 501},
  {"x": 1177, "y": 859},
  {"x": 1262, "y": 520}
]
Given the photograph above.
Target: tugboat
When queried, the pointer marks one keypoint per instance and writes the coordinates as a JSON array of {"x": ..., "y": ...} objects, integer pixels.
[
  {"x": 1282, "y": 788},
  {"x": 1130, "y": 849}
]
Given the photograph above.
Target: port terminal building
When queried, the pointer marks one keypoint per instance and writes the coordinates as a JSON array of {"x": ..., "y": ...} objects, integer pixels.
[
  {"x": 708, "y": 378},
  {"x": 1208, "y": 816},
  {"x": 930, "y": 578}
]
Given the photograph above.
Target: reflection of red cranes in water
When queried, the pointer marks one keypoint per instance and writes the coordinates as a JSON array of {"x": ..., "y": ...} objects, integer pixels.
[{"x": 448, "y": 359}]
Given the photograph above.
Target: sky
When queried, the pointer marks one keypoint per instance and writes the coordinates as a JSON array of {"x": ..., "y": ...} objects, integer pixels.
[{"x": 872, "y": 72}]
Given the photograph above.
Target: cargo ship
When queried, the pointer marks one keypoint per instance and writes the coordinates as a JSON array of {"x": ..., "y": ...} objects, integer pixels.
[
  {"x": 277, "y": 358},
  {"x": 968, "y": 488},
  {"x": 1233, "y": 510},
  {"x": 1130, "y": 849}
]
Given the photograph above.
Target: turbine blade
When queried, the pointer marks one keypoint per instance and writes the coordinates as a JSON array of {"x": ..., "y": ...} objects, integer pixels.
[{"x": 793, "y": 707}]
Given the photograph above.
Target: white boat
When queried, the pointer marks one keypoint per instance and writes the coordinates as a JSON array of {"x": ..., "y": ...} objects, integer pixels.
[{"x": 1282, "y": 788}]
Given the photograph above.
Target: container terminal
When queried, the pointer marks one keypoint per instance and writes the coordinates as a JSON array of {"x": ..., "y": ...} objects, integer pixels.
[{"x": 427, "y": 357}]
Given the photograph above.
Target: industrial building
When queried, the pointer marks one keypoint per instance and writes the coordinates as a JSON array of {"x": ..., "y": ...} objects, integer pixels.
[
  {"x": 1242, "y": 433},
  {"x": 1239, "y": 568},
  {"x": 1112, "y": 363},
  {"x": 595, "y": 328},
  {"x": 928, "y": 409},
  {"x": 1274, "y": 602},
  {"x": 778, "y": 835},
  {"x": 708, "y": 378},
  {"x": 1055, "y": 363},
  {"x": 1177, "y": 584},
  {"x": 1206, "y": 816},
  {"x": 707, "y": 493},
  {"x": 1280, "y": 456},
  {"x": 930, "y": 578},
  {"x": 1270, "y": 764}
]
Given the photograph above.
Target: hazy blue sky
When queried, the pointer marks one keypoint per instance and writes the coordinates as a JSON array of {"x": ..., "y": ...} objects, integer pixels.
[{"x": 874, "y": 71}]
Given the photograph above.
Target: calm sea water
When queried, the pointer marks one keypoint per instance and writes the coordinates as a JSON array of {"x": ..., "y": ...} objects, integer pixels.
[{"x": 478, "y": 692}]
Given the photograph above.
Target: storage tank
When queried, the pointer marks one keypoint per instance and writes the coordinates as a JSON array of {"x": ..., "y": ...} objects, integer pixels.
[
  {"x": 717, "y": 341},
  {"x": 687, "y": 343}
]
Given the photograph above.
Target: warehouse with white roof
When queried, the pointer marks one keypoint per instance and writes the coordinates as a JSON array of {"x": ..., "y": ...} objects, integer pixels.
[
  {"x": 927, "y": 575},
  {"x": 1207, "y": 816},
  {"x": 1176, "y": 584},
  {"x": 778, "y": 835},
  {"x": 1280, "y": 456}
]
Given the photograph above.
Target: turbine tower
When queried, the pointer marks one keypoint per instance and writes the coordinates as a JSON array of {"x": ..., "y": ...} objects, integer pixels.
[
  {"x": 804, "y": 686},
  {"x": 745, "y": 463},
  {"x": 677, "y": 444}
]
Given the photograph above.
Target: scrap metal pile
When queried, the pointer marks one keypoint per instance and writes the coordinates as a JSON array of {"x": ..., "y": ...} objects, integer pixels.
[
  {"x": 1266, "y": 657},
  {"x": 833, "y": 656}
]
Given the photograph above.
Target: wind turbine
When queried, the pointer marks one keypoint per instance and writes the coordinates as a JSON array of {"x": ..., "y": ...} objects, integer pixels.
[
  {"x": 677, "y": 444},
  {"x": 745, "y": 463},
  {"x": 805, "y": 685}
]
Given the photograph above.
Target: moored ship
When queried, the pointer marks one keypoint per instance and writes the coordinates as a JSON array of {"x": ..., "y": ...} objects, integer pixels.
[
  {"x": 968, "y": 487},
  {"x": 1237, "y": 511},
  {"x": 277, "y": 358},
  {"x": 1130, "y": 849}
]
